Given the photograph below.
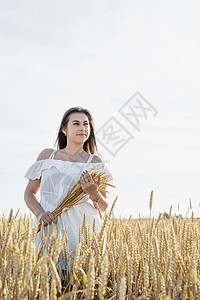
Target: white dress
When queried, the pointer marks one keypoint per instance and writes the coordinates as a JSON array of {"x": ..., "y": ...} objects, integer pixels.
[{"x": 57, "y": 178}]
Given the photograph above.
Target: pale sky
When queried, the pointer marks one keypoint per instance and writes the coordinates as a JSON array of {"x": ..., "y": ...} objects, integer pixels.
[{"x": 97, "y": 54}]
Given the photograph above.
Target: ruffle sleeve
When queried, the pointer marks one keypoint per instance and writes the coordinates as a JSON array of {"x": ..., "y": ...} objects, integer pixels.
[{"x": 34, "y": 171}]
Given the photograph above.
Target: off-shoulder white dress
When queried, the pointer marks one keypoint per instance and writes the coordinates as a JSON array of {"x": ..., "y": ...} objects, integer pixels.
[{"x": 57, "y": 178}]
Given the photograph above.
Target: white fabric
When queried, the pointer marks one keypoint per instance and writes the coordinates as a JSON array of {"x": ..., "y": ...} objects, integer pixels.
[{"x": 57, "y": 178}]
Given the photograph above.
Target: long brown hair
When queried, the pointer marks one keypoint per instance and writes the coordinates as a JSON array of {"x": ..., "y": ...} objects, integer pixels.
[{"x": 90, "y": 144}]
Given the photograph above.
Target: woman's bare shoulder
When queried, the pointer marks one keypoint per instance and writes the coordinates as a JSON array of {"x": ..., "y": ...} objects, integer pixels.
[
  {"x": 45, "y": 153},
  {"x": 96, "y": 159}
]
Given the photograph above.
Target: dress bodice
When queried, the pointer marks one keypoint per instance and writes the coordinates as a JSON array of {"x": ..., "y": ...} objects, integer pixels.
[{"x": 58, "y": 177}]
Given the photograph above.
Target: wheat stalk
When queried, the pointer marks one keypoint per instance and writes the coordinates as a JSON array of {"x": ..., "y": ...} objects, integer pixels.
[{"x": 150, "y": 207}]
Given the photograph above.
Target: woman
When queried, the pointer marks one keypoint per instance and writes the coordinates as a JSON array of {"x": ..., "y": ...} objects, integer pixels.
[{"x": 55, "y": 172}]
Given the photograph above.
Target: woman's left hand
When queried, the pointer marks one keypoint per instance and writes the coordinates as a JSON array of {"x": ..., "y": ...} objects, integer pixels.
[{"x": 88, "y": 184}]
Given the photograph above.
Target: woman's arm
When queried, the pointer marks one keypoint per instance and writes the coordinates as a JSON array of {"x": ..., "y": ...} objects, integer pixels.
[
  {"x": 102, "y": 200},
  {"x": 33, "y": 204},
  {"x": 31, "y": 199},
  {"x": 91, "y": 188}
]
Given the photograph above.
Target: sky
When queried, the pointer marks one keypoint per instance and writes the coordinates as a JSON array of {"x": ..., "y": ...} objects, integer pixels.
[{"x": 135, "y": 65}]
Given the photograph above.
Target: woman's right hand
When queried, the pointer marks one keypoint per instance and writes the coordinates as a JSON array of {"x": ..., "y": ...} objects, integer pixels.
[{"x": 46, "y": 217}]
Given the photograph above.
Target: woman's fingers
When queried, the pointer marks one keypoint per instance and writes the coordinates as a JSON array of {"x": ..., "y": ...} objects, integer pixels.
[
  {"x": 47, "y": 218},
  {"x": 51, "y": 217},
  {"x": 87, "y": 177},
  {"x": 43, "y": 220}
]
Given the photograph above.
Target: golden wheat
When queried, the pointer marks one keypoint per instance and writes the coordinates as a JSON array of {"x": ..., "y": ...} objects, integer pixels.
[{"x": 123, "y": 261}]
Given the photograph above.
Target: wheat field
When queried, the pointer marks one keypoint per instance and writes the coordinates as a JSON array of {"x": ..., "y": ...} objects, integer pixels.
[{"x": 128, "y": 259}]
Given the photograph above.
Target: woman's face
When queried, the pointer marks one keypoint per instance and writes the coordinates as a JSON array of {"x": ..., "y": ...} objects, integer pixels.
[{"x": 78, "y": 127}]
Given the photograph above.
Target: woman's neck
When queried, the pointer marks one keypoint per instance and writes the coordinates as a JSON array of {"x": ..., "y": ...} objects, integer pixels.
[{"x": 71, "y": 151}]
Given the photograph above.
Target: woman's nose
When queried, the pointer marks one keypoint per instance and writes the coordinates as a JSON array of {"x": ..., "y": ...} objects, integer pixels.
[{"x": 83, "y": 127}]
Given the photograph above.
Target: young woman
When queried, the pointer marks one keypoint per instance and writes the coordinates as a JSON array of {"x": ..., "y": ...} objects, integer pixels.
[{"x": 55, "y": 172}]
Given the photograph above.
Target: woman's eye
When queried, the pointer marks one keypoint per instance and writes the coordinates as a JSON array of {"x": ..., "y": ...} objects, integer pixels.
[{"x": 77, "y": 124}]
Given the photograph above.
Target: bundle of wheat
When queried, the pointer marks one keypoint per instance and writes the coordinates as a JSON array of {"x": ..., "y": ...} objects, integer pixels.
[{"x": 76, "y": 193}]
